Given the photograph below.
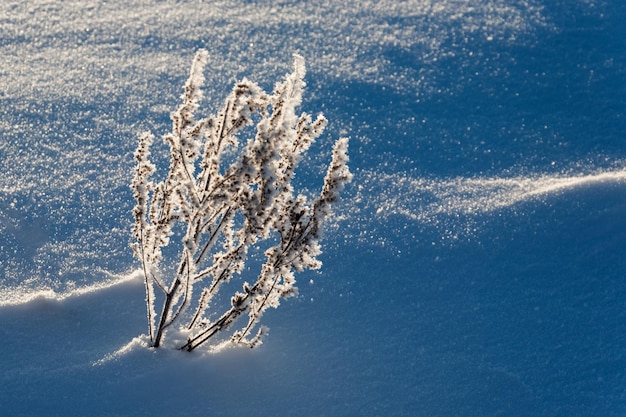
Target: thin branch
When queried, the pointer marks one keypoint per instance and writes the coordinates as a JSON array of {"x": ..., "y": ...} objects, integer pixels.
[
  {"x": 252, "y": 321},
  {"x": 213, "y": 237}
]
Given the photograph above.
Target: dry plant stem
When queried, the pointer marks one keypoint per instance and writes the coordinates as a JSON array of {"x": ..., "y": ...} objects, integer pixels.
[{"x": 229, "y": 208}]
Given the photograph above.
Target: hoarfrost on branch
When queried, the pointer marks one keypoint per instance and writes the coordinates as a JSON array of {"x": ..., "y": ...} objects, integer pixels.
[{"x": 227, "y": 205}]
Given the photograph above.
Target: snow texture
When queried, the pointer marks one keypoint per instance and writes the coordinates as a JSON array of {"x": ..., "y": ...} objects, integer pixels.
[{"x": 474, "y": 267}]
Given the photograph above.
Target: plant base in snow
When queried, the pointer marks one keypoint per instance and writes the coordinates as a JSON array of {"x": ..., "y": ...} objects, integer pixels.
[{"x": 219, "y": 207}]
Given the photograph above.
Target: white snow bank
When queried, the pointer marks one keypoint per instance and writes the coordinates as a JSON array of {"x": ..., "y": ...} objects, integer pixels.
[
  {"x": 423, "y": 199},
  {"x": 24, "y": 294},
  {"x": 80, "y": 353}
]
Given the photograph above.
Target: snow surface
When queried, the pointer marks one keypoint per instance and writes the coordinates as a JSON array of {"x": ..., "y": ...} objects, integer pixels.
[{"x": 477, "y": 263}]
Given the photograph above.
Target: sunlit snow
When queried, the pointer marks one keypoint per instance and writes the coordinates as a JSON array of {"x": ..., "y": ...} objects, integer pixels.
[{"x": 475, "y": 266}]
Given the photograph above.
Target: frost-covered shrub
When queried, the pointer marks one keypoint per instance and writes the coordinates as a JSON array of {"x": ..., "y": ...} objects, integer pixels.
[{"x": 220, "y": 200}]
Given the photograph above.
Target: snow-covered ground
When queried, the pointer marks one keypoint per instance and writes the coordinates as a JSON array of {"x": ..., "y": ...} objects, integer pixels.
[{"x": 476, "y": 266}]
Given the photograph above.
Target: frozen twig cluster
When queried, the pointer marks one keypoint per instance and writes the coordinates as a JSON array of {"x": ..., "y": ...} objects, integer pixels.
[{"x": 219, "y": 206}]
